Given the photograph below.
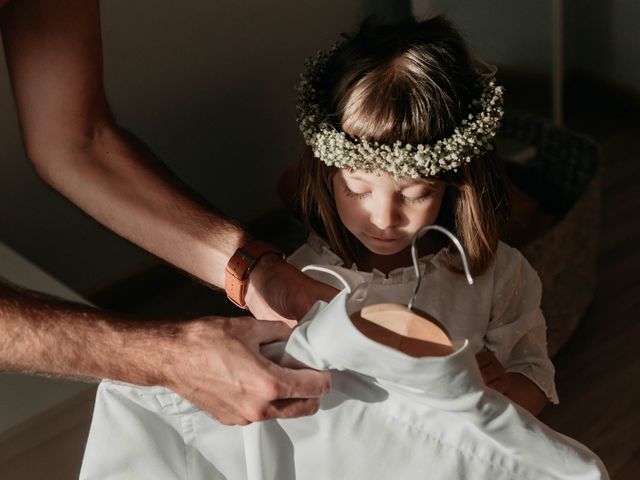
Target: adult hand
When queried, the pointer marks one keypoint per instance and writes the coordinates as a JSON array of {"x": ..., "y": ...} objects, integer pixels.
[
  {"x": 493, "y": 373},
  {"x": 278, "y": 290},
  {"x": 215, "y": 363}
]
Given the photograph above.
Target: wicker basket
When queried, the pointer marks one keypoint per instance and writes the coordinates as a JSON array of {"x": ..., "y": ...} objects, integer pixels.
[{"x": 564, "y": 177}]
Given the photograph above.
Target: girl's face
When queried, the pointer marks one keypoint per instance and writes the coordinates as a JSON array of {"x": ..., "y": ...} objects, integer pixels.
[{"x": 382, "y": 212}]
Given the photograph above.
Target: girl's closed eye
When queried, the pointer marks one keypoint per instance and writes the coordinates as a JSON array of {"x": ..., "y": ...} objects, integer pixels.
[
  {"x": 418, "y": 197},
  {"x": 416, "y": 193},
  {"x": 352, "y": 194}
]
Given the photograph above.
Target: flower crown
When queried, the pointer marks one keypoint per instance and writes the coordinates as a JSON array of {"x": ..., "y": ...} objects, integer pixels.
[{"x": 332, "y": 146}]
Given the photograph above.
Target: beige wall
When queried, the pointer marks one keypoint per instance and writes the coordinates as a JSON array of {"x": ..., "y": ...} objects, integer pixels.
[
  {"x": 600, "y": 36},
  {"x": 603, "y": 41}
]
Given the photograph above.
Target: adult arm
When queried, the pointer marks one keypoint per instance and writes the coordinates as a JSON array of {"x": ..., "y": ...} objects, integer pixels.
[
  {"x": 53, "y": 51},
  {"x": 54, "y": 54},
  {"x": 213, "y": 362}
]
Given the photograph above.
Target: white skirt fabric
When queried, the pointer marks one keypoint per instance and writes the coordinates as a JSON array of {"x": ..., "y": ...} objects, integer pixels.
[{"x": 388, "y": 416}]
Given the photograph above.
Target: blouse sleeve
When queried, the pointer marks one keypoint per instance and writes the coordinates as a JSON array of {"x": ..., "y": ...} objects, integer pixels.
[{"x": 517, "y": 328}]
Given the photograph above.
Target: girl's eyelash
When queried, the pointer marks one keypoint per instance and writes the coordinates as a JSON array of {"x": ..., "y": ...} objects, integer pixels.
[
  {"x": 352, "y": 194},
  {"x": 420, "y": 199},
  {"x": 412, "y": 200}
]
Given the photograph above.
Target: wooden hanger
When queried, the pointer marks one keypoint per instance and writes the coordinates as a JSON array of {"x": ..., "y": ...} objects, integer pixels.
[
  {"x": 395, "y": 326},
  {"x": 405, "y": 328}
]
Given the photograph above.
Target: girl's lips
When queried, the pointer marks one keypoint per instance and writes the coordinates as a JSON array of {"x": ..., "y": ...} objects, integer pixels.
[{"x": 381, "y": 239}]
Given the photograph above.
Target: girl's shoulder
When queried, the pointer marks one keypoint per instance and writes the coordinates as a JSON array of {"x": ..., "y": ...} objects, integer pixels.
[
  {"x": 507, "y": 263},
  {"x": 511, "y": 267},
  {"x": 508, "y": 257}
]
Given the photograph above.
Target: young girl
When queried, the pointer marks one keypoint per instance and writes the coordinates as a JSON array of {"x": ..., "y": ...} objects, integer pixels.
[
  {"x": 400, "y": 121},
  {"x": 388, "y": 414}
]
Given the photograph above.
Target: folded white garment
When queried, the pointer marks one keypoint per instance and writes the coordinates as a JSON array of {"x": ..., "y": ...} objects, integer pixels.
[{"x": 388, "y": 416}]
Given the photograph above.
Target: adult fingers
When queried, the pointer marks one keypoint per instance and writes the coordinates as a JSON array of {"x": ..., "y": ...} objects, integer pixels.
[
  {"x": 266, "y": 331},
  {"x": 292, "y": 408},
  {"x": 230, "y": 418},
  {"x": 223, "y": 412},
  {"x": 273, "y": 403},
  {"x": 302, "y": 383}
]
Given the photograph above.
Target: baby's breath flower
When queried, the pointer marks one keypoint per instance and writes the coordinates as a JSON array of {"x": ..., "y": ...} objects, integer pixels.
[{"x": 471, "y": 139}]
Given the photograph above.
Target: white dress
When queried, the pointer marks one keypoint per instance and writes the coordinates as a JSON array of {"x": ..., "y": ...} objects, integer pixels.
[
  {"x": 388, "y": 415},
  {"x": 499, "y": 312}
]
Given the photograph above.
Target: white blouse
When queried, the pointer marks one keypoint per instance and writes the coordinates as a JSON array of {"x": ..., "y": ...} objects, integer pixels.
[{"x": 499, "y": 312}]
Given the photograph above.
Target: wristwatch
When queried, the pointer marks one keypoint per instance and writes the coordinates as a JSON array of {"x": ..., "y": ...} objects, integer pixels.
[{"x": 236, "y": 275}]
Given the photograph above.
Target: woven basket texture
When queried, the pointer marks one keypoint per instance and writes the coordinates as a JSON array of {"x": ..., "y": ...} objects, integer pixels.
[{"x": 564, "y": 177}]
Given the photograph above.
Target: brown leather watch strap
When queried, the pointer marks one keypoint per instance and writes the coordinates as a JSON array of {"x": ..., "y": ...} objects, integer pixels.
[{"x": 236, "y": 275}]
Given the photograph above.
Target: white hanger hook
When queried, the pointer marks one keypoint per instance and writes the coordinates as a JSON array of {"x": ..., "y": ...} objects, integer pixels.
[
  {"x": 414, "y": 256},
  {"x": 319, "y": 268}
]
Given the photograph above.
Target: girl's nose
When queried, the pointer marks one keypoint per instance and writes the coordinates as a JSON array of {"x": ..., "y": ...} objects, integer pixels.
[{"x": 384, "y": 214}]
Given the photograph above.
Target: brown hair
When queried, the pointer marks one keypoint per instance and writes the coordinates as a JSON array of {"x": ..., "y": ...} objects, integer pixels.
[{"x": 413, "y": 82}]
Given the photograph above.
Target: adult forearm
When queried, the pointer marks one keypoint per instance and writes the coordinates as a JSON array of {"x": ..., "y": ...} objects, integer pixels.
[
  {"x": 117, "y": 180},
  {"x": 45, "y": 335},
  {"x": 213, "y": 362},
  {"x": 54, "y": 57}
]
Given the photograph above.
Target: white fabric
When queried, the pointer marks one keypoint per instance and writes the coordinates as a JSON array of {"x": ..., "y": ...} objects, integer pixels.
[
  {"x": 499, "y": 312},
  {"x": 387, "y": 416}
]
